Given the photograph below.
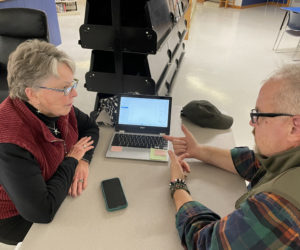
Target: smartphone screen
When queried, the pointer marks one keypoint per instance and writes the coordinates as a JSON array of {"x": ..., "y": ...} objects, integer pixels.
[{"x": 113, "y": 194}]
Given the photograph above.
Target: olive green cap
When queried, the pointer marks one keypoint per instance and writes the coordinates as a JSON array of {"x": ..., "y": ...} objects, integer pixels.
[{"x": 206, "y": 115}]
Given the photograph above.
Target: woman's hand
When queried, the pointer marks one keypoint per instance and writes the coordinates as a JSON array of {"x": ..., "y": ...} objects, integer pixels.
[
  {"x": 82, "y": 170},
  {"x": 80, "y": 179},
  {"x": 184, "y": 145},
  {"x": 178, "y": 166},
  {"x": 80, "y": 148}
]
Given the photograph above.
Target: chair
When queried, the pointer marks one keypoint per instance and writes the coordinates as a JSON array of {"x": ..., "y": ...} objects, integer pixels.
[
  {"x": 16, "y": 26},
  {"x": 292, "y": 27},
  {"x": 225, "y": 3}
]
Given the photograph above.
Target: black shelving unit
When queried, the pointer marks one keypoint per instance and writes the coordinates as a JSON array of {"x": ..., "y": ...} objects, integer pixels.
[{"x": 137, "y": 45}]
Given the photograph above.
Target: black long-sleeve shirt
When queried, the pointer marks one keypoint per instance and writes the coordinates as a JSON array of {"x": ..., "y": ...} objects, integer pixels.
[{"x": 20, "y": 175}]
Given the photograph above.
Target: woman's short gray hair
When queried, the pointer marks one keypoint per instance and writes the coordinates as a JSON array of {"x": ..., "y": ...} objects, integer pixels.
[
  {"x": 287, "y": 99},
  {"x": 33, "y": 62}
]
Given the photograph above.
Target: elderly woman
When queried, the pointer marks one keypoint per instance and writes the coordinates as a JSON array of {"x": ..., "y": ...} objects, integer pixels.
[{"x": 46, "y": 143}]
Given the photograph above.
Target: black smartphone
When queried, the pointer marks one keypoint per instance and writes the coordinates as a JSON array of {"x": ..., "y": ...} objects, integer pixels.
[{"x": 113, "y": 194}]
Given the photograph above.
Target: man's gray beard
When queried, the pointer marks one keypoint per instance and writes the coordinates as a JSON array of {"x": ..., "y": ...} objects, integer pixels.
[{"x": 256, "y": 149}]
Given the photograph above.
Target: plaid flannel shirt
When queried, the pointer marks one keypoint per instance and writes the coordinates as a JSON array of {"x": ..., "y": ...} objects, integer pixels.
[{"x": 263, "y": 221}]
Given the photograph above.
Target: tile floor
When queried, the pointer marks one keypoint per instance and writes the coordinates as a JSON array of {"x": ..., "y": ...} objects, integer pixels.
[{"x": 228, "y": 55}]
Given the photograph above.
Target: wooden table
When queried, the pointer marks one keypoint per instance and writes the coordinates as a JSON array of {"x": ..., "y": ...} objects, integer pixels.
[{"x": 149, "y": 220}]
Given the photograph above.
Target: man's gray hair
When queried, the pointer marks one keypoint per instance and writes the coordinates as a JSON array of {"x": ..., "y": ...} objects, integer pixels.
[
  {"x": 288, "y": 97},
  {"x": 32, "y": 63}
]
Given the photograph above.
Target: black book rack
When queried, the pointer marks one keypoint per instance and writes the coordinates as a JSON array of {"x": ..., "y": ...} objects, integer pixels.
[{"x": 137, "y": 45}]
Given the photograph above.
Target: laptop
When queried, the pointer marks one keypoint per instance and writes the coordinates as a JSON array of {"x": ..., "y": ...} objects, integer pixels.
[{"x": 141, "y": 122}]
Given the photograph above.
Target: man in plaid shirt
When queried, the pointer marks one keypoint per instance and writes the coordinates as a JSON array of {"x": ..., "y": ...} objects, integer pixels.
[{"x": 268, "y": 215}]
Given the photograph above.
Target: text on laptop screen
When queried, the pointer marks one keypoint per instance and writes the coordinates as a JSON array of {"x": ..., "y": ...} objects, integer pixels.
[{"x": 144, "y": 111}]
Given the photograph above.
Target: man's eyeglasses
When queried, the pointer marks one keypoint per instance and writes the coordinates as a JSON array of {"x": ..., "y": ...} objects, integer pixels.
[
  {"x": 254, "y": 114},
  {"x": 66, "y": 90}
]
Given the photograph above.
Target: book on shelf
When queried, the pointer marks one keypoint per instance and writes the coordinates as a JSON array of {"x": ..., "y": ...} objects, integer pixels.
[{"x": 66, "y": 6}]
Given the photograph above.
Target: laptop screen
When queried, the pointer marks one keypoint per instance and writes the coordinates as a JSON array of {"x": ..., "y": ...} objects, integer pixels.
[{"x": 144, "y": 113}]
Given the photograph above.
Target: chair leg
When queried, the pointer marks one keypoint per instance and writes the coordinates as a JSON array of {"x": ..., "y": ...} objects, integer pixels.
[
  {"x": 282, "y": 29},
  {"x": 275, "y": 48},
  {"x": 295, "y": 53},
  {"x": 276, "y": 39}
]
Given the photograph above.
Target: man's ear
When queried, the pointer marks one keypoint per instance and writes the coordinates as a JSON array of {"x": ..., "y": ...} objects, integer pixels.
[
  {"x": 31, "y": 95},
  {"x": 295, "y": 132}
]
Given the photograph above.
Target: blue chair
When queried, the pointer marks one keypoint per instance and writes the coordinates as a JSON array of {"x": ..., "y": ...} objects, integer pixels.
[
  {"x": 292, "y": 27},
  {"x": 16, "y": 26}
]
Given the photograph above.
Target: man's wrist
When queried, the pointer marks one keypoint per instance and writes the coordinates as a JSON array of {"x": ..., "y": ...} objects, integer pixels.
[
  {"x": 199, "y": 151},
  {"x": 178, "y": 184}
]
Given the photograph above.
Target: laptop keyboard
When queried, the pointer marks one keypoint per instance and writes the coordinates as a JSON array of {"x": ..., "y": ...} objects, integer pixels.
[{"x": 139, "y": 141}]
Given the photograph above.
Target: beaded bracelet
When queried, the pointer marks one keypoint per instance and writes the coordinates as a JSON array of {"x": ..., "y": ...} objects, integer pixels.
[{"x": 178, "y": 184}]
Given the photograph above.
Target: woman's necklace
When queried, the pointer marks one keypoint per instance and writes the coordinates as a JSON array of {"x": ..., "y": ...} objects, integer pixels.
[{"x": 55, "y": 130}]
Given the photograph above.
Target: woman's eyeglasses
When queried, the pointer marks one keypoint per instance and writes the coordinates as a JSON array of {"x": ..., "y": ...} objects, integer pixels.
[
  {"x": 254, "y": 114},
  {"x": 66, "y": 90}
]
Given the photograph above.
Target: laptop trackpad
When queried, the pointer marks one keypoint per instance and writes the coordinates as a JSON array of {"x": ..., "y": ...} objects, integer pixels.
[
  {"x": 137, "y": 153},
  {"x": 129, "y": 153}
]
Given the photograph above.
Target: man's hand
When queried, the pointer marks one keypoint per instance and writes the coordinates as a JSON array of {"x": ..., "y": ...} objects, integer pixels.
[
  {"x": 184, "y": 145},
  {"x": 178, "y": 167}
]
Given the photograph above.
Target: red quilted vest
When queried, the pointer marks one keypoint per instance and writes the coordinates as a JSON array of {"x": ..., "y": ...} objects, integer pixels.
[{"x": 18, "y": 125}]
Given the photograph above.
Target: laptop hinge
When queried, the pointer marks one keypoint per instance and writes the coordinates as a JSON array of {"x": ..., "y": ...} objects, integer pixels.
[
  {"x": 121, "y": 131},
  {"x": 162, "y": 134}
]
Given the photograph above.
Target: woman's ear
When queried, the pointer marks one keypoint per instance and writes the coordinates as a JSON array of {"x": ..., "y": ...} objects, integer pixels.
[{"x": 32, "y": 96}]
